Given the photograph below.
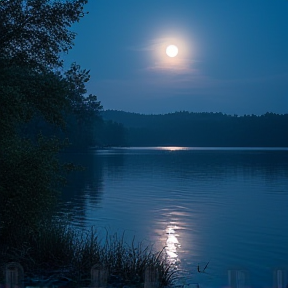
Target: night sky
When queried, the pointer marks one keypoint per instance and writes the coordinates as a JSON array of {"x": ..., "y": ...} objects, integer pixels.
[{"x": 233, "y": 55}]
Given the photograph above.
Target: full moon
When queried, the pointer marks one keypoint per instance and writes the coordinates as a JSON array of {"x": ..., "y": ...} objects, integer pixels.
[{"x": 172, "y": 50}]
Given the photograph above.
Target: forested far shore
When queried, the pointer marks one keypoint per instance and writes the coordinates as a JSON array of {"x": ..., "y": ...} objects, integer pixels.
[{"x": 197, "y": 129}]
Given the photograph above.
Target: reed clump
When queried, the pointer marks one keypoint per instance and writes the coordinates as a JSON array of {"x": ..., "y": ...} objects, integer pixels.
[{"x": 60, "y": 255}]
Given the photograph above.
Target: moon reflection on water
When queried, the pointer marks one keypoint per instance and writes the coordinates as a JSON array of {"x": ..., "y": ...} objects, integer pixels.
[{"x": 172, "y": 244}]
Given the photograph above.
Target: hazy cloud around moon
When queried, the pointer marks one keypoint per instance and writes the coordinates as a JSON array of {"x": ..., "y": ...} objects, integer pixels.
[{"x": 160, "y": 62}]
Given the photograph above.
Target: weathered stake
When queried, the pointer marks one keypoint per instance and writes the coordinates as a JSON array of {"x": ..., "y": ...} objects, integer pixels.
[
  {"x": 152, "y": 279},
  {"x": 280, "y": 278},
  {"x": 14, "y": 275},
  {"x": 238, "y": 279},
  {"x": 99, "y": 276}
]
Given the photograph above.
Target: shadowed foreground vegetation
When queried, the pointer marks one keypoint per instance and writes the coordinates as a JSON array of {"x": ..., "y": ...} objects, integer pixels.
[{"x": 60, "y": 255}]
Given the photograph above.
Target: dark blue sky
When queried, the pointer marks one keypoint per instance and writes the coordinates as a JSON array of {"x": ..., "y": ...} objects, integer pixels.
[{"x": 233, "y": 55}]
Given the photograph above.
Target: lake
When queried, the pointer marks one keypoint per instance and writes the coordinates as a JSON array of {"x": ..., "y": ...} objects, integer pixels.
[{"x": 225, "y": 206}]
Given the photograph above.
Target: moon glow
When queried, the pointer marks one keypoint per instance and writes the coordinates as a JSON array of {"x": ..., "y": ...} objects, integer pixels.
[{"x": 172, "y": 51}]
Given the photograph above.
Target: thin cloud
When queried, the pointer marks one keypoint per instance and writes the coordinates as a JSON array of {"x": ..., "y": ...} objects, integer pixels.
[
  {"x": 144, "y": 47},
  {"x": 180, "y": 66},
  {"x": 151, "y": 45}
]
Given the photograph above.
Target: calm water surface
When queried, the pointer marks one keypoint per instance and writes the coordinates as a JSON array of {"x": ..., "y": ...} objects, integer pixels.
[{"x": 225, "y": 206}]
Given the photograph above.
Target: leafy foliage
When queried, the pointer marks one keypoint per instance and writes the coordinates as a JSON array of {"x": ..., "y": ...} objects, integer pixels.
[
  {"x": 33, "y": 91},
  {"x": 34, "y": 32},
  {"x": 81, "y": 123},
  {"x": 26, "y": 93},
  {"x": 30, "y": 177}
]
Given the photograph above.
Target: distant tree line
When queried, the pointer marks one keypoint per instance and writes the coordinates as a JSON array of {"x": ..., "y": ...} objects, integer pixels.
[{"x": 201, "y": 129}]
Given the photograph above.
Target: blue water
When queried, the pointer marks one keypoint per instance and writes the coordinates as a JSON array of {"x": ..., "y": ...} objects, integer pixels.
[{"x": 228, "y": 207}]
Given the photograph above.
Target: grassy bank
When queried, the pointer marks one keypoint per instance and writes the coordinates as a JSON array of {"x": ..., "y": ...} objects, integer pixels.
[{"x": 57, "y": 254}]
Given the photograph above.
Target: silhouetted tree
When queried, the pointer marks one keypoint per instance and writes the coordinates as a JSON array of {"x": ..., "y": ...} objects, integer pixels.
[{"x": 32, "y": 35}]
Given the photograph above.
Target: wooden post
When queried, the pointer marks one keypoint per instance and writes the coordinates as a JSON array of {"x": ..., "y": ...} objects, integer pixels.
[
  {"x": 238, "y": 279},
  {"x": 192, "y": 285},
  {"x": 99, "y": 276},
  {"x": 280, "y": 278},
  {"x": 152, "y": 279},
  {"x": 14, "y": 275}
]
